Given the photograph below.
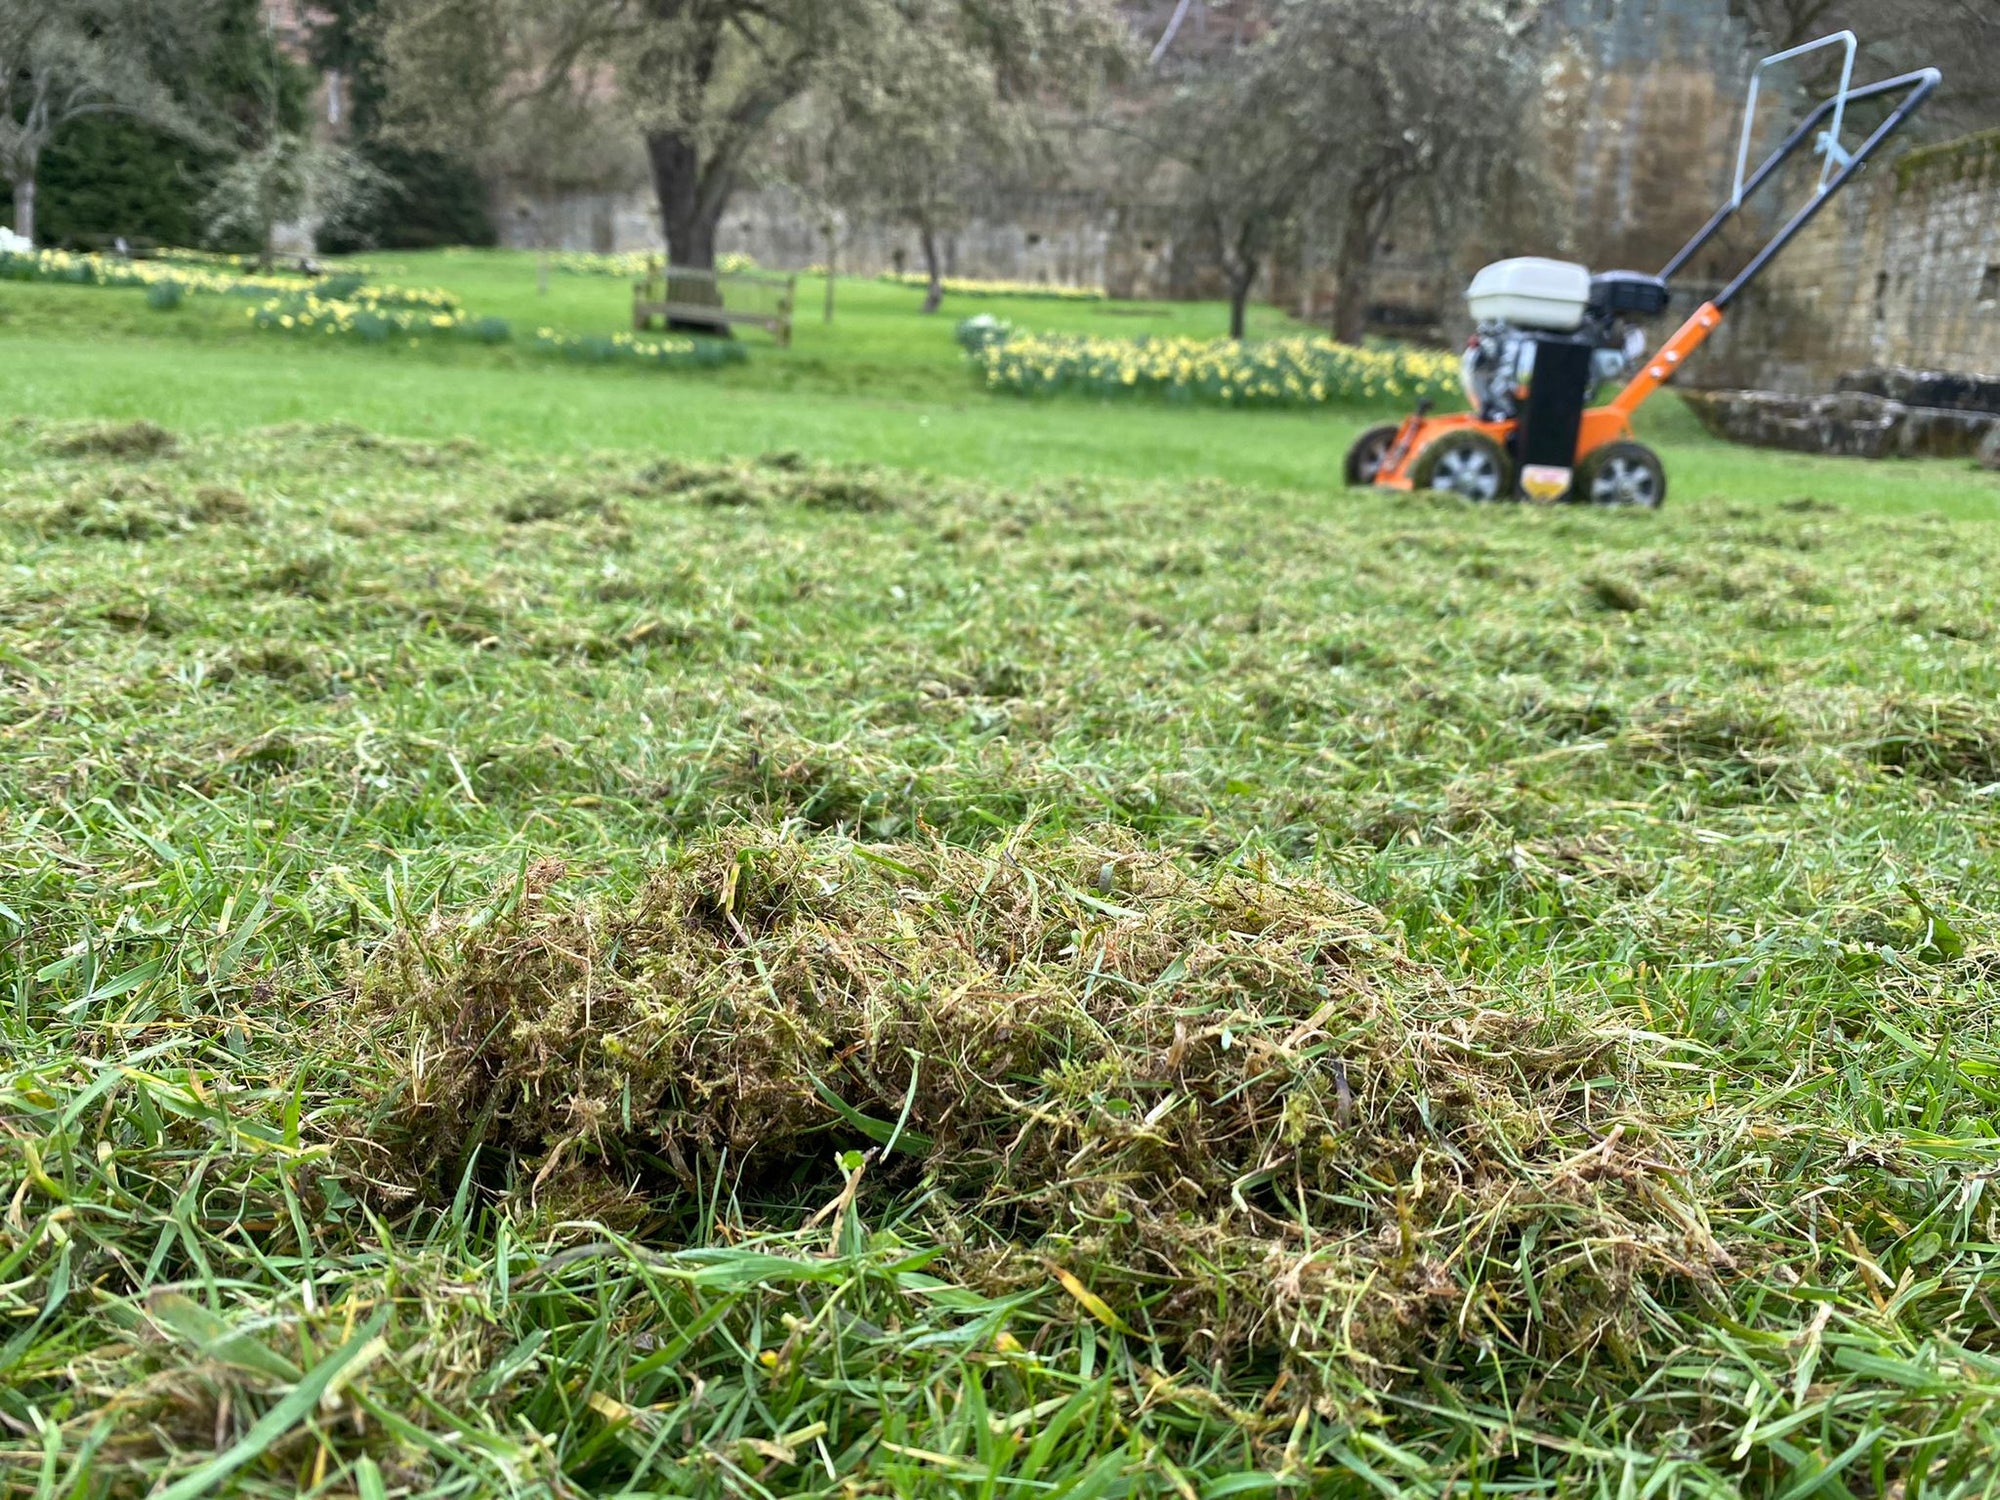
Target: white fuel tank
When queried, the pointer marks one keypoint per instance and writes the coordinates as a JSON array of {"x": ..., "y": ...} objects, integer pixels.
[{"x": 1531, "y": 293}]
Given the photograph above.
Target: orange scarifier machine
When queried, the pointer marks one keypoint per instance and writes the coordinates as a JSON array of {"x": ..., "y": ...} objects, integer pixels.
[{"x": 1550, "y": 334}]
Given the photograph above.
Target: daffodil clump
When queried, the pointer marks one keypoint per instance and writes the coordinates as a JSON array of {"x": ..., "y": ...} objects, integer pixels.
[
  {"x": 380, "y": 315},
  {"x": 968, "y": 286},
  {"x": 583, "y": 263},
  {"x": 640, "y": 349},
  {"x": 116, "y": 270},
  {"x": 373, "y": 314},
  {"x": 637, "y": 263},
  {"x": 1303, "y": 371},
  {"x": 290, "y": 266}
]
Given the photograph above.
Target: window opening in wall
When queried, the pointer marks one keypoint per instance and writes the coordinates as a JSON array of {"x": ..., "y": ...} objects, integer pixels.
[
  {"x": 1989, "y": 285},
  {"x": 1881, "y": 295}
]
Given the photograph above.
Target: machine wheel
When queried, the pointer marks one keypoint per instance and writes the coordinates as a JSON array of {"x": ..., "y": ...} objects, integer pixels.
[
  {"x": 1467, "y": 464},
  {"x": 1622, "y": 474},
  {"x": 1365, "y": 458}
]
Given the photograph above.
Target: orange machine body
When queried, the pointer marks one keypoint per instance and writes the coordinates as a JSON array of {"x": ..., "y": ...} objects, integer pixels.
[{"x": 1611, "y": 423}]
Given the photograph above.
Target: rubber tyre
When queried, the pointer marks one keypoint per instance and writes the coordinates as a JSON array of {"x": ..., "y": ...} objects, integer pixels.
[
  {"x": 1364, "y": 459},
  {"x": 1467, "y": 464},
  {"x": 1622, "y": 474}
]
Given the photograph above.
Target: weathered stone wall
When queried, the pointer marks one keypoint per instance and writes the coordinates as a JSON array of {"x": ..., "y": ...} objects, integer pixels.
[
  {"x": 1902, "y": 269},
  {"x": 1058, "y": 238},
  {"x": 1071, "y": 239},
  {"x": 1645, "y": 99}
]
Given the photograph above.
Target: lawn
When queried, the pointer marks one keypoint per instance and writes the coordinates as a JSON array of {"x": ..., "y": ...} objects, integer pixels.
[
  {"x": 574, "y": 932},
  {"x": 884, "y": 384}
]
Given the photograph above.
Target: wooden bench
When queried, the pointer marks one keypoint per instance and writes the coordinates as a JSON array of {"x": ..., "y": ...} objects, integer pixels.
[{"x": 720, "y": 300}]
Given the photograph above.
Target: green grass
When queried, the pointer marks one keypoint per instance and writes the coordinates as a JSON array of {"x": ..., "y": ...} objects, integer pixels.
[
  {"x": 477, "y": 877},
  {"x": 884, "y": 384}
]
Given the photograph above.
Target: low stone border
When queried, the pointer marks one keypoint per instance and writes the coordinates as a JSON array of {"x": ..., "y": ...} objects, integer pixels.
[{"x": 1848, "y": 423}]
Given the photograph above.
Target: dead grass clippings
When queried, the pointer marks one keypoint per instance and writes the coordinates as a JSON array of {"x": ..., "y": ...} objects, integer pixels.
[
  {"x": 121, "y": 440},
  {"x": 1229, "y": 1103}
]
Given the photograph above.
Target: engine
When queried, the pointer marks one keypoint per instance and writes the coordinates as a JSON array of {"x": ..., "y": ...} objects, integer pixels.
[
  {"x": 1500, "y": 361},
  {"x": 1520, "y": 304}
]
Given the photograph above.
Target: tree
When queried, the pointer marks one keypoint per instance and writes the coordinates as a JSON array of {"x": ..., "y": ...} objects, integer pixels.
[
  {"x": 112, "y": 174},
  {"x": 927, "y": 114},
  {"x": 1247, "y": 158},
  {"x": 1960, "y": 36},
  {"x": 807, "y": 155},
  {"x": 65, "y": 60},
  {"x": 1390, "y": 81},
  {"x": 700, "y": 81},
  {"x": 1349, "y": 104},
  {"x": 289, "y": 179},
  {"x": 426, "y": 198},
  {"x": 564, "y": 138}
]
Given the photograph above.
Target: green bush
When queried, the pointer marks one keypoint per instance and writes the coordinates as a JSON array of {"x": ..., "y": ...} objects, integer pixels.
[
  {"x": 433, "y": 199},
  {"x": 164, "y": 296},
  {"x": 105, "y": 175}
]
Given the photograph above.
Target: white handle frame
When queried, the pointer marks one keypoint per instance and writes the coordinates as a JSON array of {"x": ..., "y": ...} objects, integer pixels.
[{"x": 1829, "y": 142}]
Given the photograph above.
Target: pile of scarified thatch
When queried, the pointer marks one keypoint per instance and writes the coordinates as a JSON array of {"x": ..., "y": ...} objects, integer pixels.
[
  {"x": 126, "y": 440},
  {"x": 1227, "y": 1103},
  {"x": 131, "y": 508},
  {"x": 776, "y": 478}
]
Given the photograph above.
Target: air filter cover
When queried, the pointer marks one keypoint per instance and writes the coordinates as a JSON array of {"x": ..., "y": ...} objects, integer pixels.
[{"x": 1529, "y": 292}]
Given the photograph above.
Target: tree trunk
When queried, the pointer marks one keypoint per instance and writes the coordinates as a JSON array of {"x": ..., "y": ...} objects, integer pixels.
[
  {"x": 1354, "y": 259},
  {"x": 690, "y": 206},
  {"x": 1238, "y": 253},
  {"x": 934, "y": 298},
  {"x": 832, "y": 232},
  {"x": 1241, "y": 303},
  {"x": 24, "y": 204},
  {"x": 545, "y": 232}
]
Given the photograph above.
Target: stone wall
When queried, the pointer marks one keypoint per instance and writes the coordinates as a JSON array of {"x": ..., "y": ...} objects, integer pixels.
[
  {"x": 1902, "y": 269},
  {"x": 1645, "y": 98},
  {"x": 605, "y": 222},
  {"x": 1057, "y": 238},
  {"x": 1070, "y": 239}
]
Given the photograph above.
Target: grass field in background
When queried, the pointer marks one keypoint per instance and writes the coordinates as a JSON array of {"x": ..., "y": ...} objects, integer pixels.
[
  {"x": 998, "y": 948},
  {"x": 884, "y": 384}
]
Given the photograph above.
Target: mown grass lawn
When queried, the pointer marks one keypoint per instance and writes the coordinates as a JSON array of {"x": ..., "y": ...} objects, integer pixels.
[
  {"x": 995, "y": 948},
  {"x": 884, "y": 385}
]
